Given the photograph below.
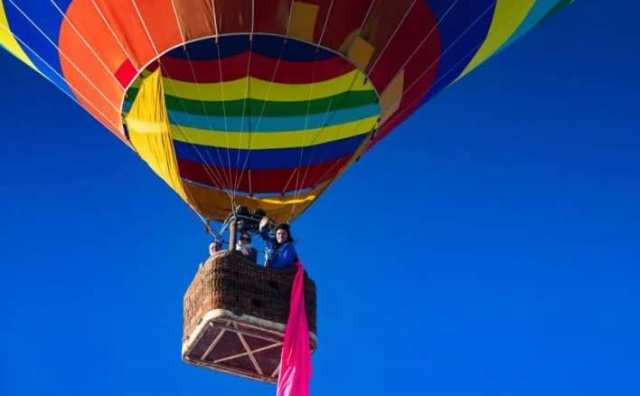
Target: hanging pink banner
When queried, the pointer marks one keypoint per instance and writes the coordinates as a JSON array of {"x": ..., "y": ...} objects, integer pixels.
[{"x": 295, "y": 361}]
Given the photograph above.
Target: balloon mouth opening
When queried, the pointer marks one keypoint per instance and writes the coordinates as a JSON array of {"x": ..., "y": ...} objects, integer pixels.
[
  {"x": 269, "y": 119},
  {"x": 219, "y": 59}
]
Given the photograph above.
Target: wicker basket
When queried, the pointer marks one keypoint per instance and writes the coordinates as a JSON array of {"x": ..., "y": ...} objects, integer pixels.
[{"x": 235, "y": 313}]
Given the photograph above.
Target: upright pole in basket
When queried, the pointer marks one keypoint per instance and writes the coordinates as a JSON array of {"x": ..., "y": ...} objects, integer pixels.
[{"x": 233, "y": 233}]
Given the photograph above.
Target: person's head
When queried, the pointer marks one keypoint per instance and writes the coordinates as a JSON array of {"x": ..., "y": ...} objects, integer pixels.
[
  {"x": 283, "y": 233},
  {"x": 245, "y": 238},
  {"x": 214, "y": 247}
]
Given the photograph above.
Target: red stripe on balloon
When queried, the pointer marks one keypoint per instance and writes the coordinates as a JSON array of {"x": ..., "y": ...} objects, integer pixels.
[
  {"x": 416, "y": 41},
  {"x": 257, "y": 181},
  {"x": 420, "y": 67},
  {"x": 411, "y": 101},
  {"x": 262, "y": 67}
]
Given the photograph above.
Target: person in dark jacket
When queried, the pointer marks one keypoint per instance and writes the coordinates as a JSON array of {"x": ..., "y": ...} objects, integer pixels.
[{"x": 280, "y": 250}]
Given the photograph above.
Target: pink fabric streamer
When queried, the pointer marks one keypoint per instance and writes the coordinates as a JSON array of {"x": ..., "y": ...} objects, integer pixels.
[{"x": 295, "y": 361}]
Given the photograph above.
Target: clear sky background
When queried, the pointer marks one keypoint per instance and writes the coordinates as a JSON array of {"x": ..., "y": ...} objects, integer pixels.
[{"x": 490, "y": 246}]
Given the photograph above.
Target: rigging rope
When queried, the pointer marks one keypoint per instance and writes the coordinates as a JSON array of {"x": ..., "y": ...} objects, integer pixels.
[
  {"x": 64, "y": 55},
  {"x": 179, "y": 99},
  {"x": 105, "y": 121},
  {"x": 208, "y": 169}
]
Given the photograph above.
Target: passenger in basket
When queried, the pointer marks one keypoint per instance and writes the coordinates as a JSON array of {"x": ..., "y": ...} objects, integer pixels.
[
  {"x": 215, "y": 247},
  {"x": 244, "y": 247},
  {"x": 280, "y": 251}
]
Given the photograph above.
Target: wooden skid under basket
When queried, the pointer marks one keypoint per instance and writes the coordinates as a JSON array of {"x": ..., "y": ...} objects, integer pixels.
[{"x": 234, "y": 317}]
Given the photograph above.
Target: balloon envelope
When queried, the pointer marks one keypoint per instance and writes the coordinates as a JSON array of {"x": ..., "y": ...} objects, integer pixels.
[{"x": 257, "y": 102}]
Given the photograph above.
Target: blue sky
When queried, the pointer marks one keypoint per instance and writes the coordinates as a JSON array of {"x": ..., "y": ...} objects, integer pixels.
[{"x": 490, "y": 246}]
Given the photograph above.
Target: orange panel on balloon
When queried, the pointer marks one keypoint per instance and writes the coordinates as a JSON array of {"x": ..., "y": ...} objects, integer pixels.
[
  {"x": 99, "y": 93},
  {"x": 196, "y": 18},
  {"x": 123, "y": 20},
  {"x": 90, "y": 63},
  {"x": 161, "y": 23},
  {"x": 83, "y": 15},
  {"x": 94, "y": 97}
]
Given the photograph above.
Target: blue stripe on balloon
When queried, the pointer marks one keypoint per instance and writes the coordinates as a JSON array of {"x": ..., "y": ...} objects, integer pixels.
[
  {"x": 294, "y": 50},
  {"x": 47, "y": 20},
  {"x": 272, "y": 124},
  {"x": 459, "y": 45},
  {"x": 268, "y": 159},
  {"x": 270, "y": 46},
  {"x": 208, "y": 49}
]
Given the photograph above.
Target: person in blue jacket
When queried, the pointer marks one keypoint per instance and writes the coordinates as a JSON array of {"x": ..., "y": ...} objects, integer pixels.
[{"x": 280, "y": 250}]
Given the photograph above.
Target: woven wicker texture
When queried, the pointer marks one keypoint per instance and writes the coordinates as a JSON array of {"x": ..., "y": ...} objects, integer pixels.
[{"x": 229, "y": 281}]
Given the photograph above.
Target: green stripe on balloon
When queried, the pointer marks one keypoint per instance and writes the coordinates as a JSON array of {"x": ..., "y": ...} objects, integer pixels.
[{"x": 240, "y": 108}]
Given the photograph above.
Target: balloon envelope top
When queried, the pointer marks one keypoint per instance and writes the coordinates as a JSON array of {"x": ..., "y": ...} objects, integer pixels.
[{"x": 261, "y": 103}]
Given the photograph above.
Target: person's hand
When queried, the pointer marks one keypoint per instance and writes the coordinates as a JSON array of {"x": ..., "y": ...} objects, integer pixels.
[{"x": 263, "y": 223}]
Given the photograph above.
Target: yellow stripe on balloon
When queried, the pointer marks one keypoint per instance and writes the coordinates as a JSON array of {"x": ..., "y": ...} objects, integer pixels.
[
  {"x": 149, "y": 132},
  {"x": 507, "y": 17},
  {"x": 289, "y": 201},
  {"x": 272, "y": 140},
  {"x": 9, "y": 42},
  {"x": 266, "y": 90}
]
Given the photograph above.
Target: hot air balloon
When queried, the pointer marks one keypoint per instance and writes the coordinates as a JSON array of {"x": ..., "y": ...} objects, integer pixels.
[{"x": 259, "y": 104}]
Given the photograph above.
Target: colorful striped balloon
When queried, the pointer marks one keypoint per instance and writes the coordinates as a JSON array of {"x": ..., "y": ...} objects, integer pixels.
[{"x": 261, "y": 103}]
